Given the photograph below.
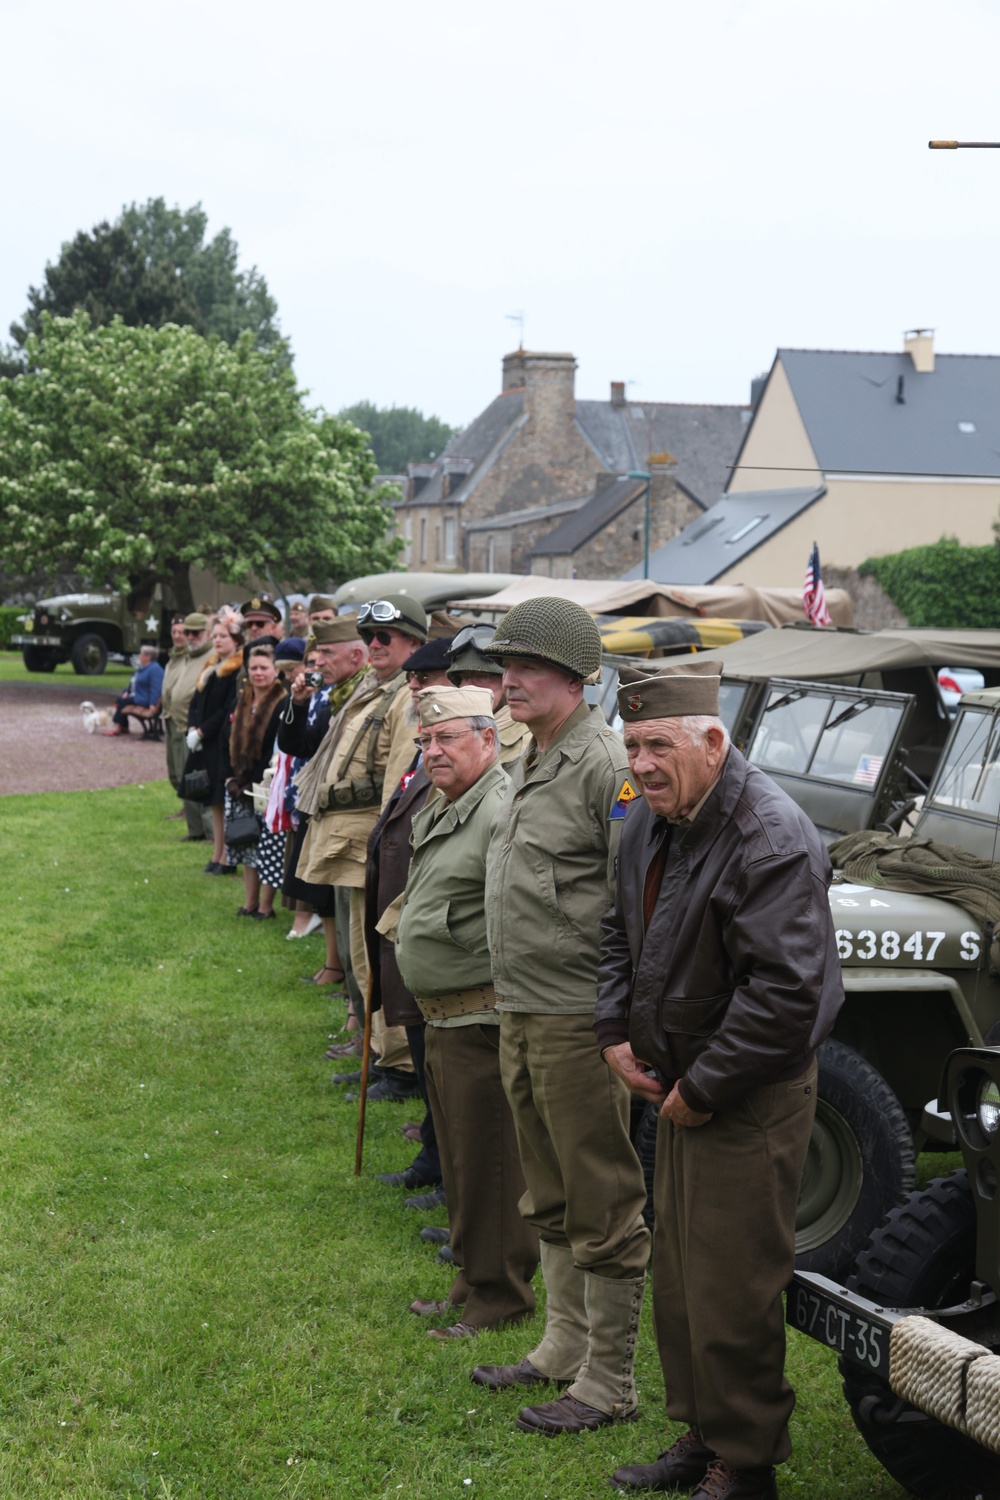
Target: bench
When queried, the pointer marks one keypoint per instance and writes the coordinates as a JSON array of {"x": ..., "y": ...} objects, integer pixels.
[{"x": 151, "y": 718}]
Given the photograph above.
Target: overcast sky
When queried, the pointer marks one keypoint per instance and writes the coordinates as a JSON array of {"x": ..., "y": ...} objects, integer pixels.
[{"x": 670, "y": 192}]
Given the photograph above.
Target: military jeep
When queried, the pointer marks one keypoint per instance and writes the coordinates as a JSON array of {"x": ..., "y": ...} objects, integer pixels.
[{"x": 91, "y": 629}]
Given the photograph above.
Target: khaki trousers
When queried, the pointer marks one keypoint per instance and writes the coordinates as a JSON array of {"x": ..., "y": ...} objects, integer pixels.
[
  {"x": 723, "y": 1252},
  {"x": 388, "y": 1041},
  {"x": 483, "y": 1181},
  {"x": 199, "y": 818},
  {"x": 584, "y": 1187}
]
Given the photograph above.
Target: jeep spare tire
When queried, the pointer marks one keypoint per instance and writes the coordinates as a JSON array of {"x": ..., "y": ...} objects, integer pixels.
[
  {"x": 89, "y": 655},
  {"x": 859, "y": 1166}
]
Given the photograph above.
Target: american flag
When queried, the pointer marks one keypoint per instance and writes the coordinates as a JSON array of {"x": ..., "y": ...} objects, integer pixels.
[{"x": 813, "y": 593}]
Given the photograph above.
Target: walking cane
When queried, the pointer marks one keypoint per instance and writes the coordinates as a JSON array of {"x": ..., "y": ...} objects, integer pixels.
[{"x": 365, "y": 1058}]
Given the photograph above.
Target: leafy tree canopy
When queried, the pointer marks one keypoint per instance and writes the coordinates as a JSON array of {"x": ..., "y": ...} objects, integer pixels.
[
  {"x": 154, "y": 266},
  {"x": 131, "y": 454},
  {"x": 945, "y": 585},
  {"x": 399, "y": 434}
]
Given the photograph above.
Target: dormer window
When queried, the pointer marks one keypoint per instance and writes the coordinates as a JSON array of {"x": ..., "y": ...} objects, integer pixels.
[{"x": 966, "y": 426}]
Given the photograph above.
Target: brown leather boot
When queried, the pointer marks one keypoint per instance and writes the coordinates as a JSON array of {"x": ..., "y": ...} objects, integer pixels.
[
  {"x": 502, "y": 1377},
  {"x": 683, "y": 1465},
  {"x": 723, "y": 1483}
]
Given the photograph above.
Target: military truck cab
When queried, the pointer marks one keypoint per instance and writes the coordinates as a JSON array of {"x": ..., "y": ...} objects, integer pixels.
[{"x": 90, "y": 630}]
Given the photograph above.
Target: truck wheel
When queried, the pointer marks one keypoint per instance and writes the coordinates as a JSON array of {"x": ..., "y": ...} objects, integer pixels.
[
  {"x": 860, "y": 1162},
  {"x": 39, "y": 658},
  {"x": 924, "y": 1255},
  {"x": 89, "y": 655}
]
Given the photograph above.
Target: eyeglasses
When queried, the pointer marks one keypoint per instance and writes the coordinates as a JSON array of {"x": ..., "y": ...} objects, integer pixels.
[
  {"x": 476, "y": 636},
  {"x": 379, "y": 610},
  {"x": 422, "y": 678},
  {"x": 425, "y": 741}
]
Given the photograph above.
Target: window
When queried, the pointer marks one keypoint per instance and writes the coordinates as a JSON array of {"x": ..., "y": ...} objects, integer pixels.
[
  {"x": 449, "y": 538},
  {"x": 738, "y": 536},
  {"x": 423, "y": 539},
  {"x": 491, "y": 555}
]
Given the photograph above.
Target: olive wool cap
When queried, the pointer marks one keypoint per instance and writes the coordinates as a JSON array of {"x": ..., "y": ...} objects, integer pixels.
[
  {"x": 471, "y": 660},
  {"x": 332, "y": 632},
  {"x": 554, "y": 630},
  {"x": 196, "y": 621},
  {"x": 690, "y": 687}
]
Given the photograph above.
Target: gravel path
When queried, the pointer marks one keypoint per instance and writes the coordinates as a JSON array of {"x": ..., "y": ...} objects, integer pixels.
[{"x": 45, "y": 748}]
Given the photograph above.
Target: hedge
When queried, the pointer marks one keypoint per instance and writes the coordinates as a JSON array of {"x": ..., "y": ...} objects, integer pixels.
[
  {"x": 946, "y": 585},
  {"x": 10, "y": 624}
]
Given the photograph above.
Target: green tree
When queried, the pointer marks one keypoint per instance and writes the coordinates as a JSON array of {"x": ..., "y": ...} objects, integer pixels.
[
  {"x": 399, "y": 434},
  {"x": 154, "y": 266},
  {"x": 944, "y": 585},
  {"x": 131, "y": 454}
]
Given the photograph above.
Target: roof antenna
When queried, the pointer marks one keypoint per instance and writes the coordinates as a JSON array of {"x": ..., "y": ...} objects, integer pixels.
[
  {"x": 517, "y": 318},
  {"x": 901, "y": 399}
]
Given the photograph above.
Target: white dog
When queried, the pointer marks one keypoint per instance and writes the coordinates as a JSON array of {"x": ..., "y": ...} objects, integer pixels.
[{"x": 94, "y": 718}]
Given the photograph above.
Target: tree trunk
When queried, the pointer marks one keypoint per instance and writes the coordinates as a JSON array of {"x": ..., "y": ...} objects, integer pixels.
[{"x": 179, "y": 584}]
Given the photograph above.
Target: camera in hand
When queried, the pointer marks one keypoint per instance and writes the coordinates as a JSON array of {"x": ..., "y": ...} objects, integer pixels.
[{"x": 314, "y": 679}]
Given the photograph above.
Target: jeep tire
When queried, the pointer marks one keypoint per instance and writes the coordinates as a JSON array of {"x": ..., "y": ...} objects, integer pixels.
[
  {"x": 89, "y": 655},
  {"x": 860, "y": 1162},
  {"x": 39, "y": 658},
  {"x": 923, "y": 1256}
]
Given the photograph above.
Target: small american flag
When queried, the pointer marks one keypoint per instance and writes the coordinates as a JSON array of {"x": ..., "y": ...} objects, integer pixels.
[{"x": 813, "y": 593}]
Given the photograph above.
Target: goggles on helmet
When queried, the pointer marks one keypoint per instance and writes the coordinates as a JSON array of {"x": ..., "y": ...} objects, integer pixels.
[
  {"x": 476, "y": 636},
  {"x": 380, "y": 611}
]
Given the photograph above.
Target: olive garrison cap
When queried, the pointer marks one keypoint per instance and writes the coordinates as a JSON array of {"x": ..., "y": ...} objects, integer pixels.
[
  {"x": 331, "y": 632},
  {"x": 318, "y": 602},
  {"x": 690, "y": 687},
  {"x": 554, "y": 630},
  {"x": 196, "y": 621},
  {"x": 436, "y": 704}
]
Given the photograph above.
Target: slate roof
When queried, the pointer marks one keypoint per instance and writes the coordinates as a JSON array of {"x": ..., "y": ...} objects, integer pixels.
[
  {"x": 484, "y": 436},
  {"x": 703, "y": 439},
  {"x": 712, "y": 544},
  {"x": 506, "y": 520},
  {"x": 613, "y": 494},
  {"x": 848, "y": 403}
]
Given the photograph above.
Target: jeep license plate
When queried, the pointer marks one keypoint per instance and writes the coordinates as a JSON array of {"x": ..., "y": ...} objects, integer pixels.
[{"x": 823, "y": 1317}]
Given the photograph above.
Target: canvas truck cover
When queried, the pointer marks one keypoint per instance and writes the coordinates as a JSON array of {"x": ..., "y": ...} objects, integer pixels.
[
  {"x": 609, "y": 596},
  {"x": 811, "y": 655}
]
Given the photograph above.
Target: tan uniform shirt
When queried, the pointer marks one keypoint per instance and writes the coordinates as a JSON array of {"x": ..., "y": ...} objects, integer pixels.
[{"x": 179, "y": 682}]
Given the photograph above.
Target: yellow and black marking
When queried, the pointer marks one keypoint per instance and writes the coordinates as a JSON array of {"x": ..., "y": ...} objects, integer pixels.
[
  {"x": 635, "y": 635},
  {"x": 627, "y": 794}
]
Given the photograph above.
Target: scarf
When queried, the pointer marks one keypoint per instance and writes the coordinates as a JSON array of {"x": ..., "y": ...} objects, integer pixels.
[{"x": 249, "y": 731}]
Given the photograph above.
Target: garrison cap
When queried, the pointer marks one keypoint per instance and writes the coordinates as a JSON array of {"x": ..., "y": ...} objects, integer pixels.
[
  {"x": 690, "y": 687},
  {"x": 320, "y": 601},
  {"x": 331, "y": 632},
  {"x": 559, "y": 631},
  {"x": 436, "y": 704}
]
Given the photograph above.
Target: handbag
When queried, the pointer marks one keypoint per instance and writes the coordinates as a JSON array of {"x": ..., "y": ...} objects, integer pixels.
[
  {"x": 195, "y": 786},
  {"x": 243, "y": 828}
]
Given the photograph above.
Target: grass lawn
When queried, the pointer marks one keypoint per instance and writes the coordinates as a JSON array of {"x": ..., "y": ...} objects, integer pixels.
[
  {"x": 111, "y": 680},
  {"x": 197, "y": 1296}
]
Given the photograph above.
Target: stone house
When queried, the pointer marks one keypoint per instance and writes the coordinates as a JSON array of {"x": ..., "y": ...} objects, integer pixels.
[{"x": 538, "y": 458}]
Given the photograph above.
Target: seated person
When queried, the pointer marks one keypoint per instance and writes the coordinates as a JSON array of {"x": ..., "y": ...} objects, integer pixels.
[{"x": 143, "y": 692}]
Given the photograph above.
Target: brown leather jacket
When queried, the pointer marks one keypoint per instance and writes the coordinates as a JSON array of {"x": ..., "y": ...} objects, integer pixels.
[{"x": 737, "y": 980}]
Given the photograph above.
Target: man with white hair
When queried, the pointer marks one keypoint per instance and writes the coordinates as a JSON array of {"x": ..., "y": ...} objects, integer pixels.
[
  {"x": 719, "y": 980},
  {"x": 444, "y": 956},
  {"x": 144, "y": 690}
]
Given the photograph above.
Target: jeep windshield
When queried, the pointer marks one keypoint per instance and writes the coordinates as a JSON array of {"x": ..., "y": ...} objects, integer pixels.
[{"x": 963, "y": 804}]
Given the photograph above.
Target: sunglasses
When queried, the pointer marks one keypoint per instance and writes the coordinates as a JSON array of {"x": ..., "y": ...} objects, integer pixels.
[
  {"x": 194, "y": 632},
  {"x": 421, "y": 678},
  {"x": 384, "y": 637},
  {"x": 379, "y": 610}
]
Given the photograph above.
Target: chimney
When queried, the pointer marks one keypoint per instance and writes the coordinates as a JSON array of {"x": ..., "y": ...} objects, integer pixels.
[
  {"x": 617, "y": 393},
  {"x": 548, "y": 381},
  {"x": 918, "y": 343}
]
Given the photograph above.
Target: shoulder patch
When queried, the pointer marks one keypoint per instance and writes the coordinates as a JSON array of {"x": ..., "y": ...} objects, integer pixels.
[{"x": 626, "y": 795}]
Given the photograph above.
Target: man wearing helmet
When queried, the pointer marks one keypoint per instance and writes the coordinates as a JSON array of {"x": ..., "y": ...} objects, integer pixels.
[{"x": 549, "y": 879}]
